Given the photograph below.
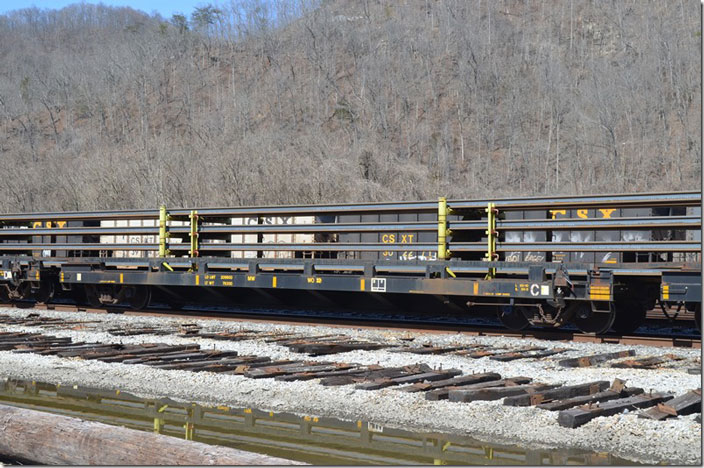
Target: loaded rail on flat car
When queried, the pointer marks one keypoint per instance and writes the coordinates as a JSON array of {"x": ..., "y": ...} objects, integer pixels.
[{"x": 598, "y": 262}]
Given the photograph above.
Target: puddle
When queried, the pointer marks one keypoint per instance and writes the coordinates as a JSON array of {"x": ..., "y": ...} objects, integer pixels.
[{"x": 310, "y": 439}]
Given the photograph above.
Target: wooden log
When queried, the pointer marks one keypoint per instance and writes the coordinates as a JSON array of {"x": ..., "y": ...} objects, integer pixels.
[
  {"x": 323, "y": 374},
  {"x": 427, "y": 376},
  {"x": 443, "y": 393},
  {"x": 59, "y": 347},
  {"x": 297, "y": 340},
  {"x": 646, "y": 363},
  {"x": 8, "y": 335},
  {"x": 91, "y": 348},
  {"x": 34, "y": 340},
  {"x": 690, "y": 402},
  {"x": 74, "y": 349},
  {"x": 163, "y": 358},
  {"x": 568, "y": 391},
  {"x": 44, "y": 350},
  {"x": 276, "y": 369},
  {"x": 375, "y": 374},
  {"x": 33, "y": 346},
  {"x": 495, "y": 393},
  {"x": 427, "y": 349},
  {"x": 455, "y": 381},
  {"x": 139, "y": 331},
  {"x": 314, "y": 370},
  {"x": 265, "y": 362},
  {"x": 114, "y": 350},
  {"x": 220, "y": 365},
  {"x": 482, "y": 352},
  {"x": 242, "y": 336},
  {"x": 167, "y": 357},
  {"x": 52, "y": 439},
  {"x": 227, "y": 365},
  {"x": 337, "y": 380},
  {"x": 527, "y": 354},
  {"x": 320, "y": 367},
  {"x": 380, "y": 378},
  {"x": 74, "y": 346},
  {"x": 196, "y": 356},
  {"x": 517, "y": 351},
  {"x": 576, "y": 417},
  {"x": 324, "y": 348},
  {"x": 586, "y": 361},
  {"x": 587, "y": 399},
  {"x": 279, "y": 338},
  {"x": 406, "y": 379},
  {"x": 138, "y": 351}
]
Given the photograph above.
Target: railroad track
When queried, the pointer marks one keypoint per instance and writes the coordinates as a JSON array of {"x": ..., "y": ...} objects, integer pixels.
[{"x": 417, "y": 325}]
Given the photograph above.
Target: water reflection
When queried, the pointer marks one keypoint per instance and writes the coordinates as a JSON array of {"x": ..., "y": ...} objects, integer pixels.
[{"x": 311, "y": 439}]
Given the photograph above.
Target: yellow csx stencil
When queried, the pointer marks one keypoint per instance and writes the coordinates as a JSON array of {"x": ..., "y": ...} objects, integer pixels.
[
  {"x": 48, "y": 224},
  {"x": 584, "y": 214},
  {"x": 600, "y": 293}
]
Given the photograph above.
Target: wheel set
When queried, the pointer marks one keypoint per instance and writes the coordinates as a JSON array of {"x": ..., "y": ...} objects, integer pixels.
[{"x": 589, "y": 317}]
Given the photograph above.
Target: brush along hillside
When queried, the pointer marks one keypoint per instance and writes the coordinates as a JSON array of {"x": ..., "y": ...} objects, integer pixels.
[{"x": 265, "y": 102}]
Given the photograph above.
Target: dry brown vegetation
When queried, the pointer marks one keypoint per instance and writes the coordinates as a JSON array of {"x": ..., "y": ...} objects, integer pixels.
[{"x": 267, "y": 102}]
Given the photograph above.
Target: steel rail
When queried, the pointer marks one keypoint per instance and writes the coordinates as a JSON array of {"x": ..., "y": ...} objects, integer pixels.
[
  {"x": 224, "y": 247},
  {"x": 654, "y": 246},
  {"x": 683, "y": 222},
  {"x": 689, "y": 222},
  {"x": 682, "y": 199},
  {"x": 610, "y": 201}
]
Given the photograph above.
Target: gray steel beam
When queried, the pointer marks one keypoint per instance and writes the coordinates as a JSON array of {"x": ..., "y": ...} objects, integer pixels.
[{"x": 612, "y": 200}]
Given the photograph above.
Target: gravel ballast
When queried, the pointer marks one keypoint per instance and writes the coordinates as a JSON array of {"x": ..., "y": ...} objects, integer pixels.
[{"x": 673, "y": 441}]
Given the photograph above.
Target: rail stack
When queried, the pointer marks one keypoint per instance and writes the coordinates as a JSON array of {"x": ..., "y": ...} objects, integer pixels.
[{"x": 599, "y": 262}]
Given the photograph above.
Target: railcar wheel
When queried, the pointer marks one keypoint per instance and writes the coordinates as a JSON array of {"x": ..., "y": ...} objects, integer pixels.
[
  {"x": 629, "y": 316},
  {"x": 45, "y": 292},
  {"x": 138, "y": 297},
  {"x": 92, "y": 297},
  {"x": 20, "y": 292},
  {"x": 591, "y": 320},
  {"x": 512, "y": 317}
]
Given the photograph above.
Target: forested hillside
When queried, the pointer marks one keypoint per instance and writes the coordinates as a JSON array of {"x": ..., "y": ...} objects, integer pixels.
[{"x": 266, "y": 102}]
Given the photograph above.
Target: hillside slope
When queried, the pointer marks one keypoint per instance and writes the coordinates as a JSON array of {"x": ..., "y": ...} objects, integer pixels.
[{"x": 266, "y": 102}]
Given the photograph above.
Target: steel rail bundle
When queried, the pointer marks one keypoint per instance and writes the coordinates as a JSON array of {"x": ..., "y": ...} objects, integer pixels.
[
  {"x": 452, "y": 249},
  {"x": 691, "y": 222},
  {"x": 690, "y": 198}
]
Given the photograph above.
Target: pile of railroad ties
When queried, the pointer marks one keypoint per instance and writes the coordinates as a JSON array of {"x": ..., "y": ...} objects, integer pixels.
[{"x": 577, "y": 404}]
